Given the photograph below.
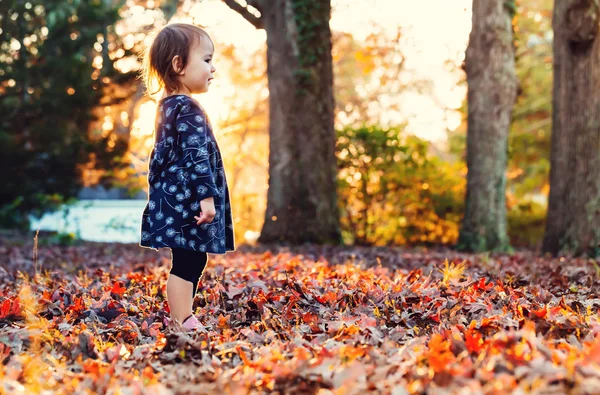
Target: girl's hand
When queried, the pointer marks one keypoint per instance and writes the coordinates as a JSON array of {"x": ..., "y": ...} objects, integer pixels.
[{"x": 207, "y": 211}]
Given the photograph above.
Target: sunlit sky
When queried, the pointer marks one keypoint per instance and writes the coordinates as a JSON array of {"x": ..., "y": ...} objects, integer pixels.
[{"x": 434, "y": 30}]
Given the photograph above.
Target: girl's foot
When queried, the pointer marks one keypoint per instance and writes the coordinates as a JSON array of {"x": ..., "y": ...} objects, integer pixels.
[{"x": 191, "y": 323}]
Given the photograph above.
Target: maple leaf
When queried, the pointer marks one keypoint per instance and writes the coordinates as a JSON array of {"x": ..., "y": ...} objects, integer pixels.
[
  {"x": 5, "y": 308},
  {"x": 117, "y": 289},
  {"x": 78, "y": 305},
  {"x": 10, "y": 308},
  {"x": 46, "y": 297},
  {"x": 16, "y": 307},
  {"x": 312, "y": 320},
  {"x": 223, "y": 320},
  {"x": 541, "y": 313},
  {"x": 483, "y": 342},
  {"x": 473, "y": 341}
]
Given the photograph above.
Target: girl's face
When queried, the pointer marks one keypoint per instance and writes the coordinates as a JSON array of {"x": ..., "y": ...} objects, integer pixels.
[{"x": 198, "y": 73}]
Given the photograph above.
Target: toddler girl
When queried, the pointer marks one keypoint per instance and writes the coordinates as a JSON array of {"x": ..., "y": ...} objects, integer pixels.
[{"x": 188, "y": 207}]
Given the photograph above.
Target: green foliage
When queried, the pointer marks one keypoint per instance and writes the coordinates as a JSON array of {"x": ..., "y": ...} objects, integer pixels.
[
  {"x": 48, "y": 98},
  {"x": 511, "y": 7},
  {"x": 529, "y": 138},
  {"x": 526, "y": 224},
  {"x": 64, "y": 239},
  {"x": 392, "y": 191},
  {"x": 12, "y": 217},
  {"x": 309, "y": 16}
]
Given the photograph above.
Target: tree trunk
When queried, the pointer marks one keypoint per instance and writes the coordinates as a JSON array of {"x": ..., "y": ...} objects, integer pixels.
[
  {"x": 573, "y": 219},
  {"x": 492, "y": 90},
  {"x": 302, "y": 196}
]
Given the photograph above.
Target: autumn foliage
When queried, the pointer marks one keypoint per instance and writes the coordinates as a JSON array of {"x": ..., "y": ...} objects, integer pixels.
[{"x": 94, "y": 318}]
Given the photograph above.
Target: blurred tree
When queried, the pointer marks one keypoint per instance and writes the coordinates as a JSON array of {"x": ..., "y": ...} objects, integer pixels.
[
  {"x": 245, "y": 136},
  {"x": 492, "y": 90},
  {"x": 372, "y": 78},
  {"x": 573, "y": 220},
  {"x": 124, "y": 92},
  {"x": 302, "y": 198},
  {"x": 529, "y": 138},
  {"x": 53, "y": 72}
]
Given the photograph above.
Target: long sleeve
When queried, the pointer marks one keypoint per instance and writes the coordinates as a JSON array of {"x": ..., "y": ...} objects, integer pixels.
[
  {"x": 162, "y": 153},
  {"x": 193, "y": 164}
]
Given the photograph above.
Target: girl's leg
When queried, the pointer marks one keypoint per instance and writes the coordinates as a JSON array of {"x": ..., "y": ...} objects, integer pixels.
[
  {"x": 179, "y": 296},
  {"x": 187, "y": 267}
]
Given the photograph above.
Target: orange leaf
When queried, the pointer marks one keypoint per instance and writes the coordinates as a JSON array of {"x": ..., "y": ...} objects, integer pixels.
[
  {"x": 593, "y": 353},
  {"x": 473, "y": 341},
  {"x": 439, "y": 355},
  {"x": 46, "y": 297},
  {"x": 92, "y": 366},
  {"x": 78, "y": 305},
  {"x": 243, "y": 356},
  {"x": 223, "y": 320},
  {"x": 148, "y": 375}
]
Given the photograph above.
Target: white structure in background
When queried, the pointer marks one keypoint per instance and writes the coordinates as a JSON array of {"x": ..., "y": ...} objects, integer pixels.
[{"x": 96, "y": 220}]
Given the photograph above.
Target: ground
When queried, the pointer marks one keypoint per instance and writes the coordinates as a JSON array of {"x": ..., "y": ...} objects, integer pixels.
[{"x": 306, "y": 319}]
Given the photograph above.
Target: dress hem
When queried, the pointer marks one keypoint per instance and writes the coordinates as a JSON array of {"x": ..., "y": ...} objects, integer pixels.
[{"x": 153, "y": 247}]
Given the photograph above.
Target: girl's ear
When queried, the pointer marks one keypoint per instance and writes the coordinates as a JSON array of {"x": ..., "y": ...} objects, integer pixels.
[{"x": 176, "y": 64}]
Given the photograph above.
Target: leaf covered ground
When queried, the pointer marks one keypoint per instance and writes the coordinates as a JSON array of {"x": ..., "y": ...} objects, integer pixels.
[{"x": 91, "y": 318}]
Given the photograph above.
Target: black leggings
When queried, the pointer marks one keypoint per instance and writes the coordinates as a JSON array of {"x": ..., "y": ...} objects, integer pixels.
[{"x": 188, "y": 265}]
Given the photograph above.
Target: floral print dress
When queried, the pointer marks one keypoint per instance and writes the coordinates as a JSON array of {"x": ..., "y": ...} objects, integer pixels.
[{"x": 185, "y": 168}]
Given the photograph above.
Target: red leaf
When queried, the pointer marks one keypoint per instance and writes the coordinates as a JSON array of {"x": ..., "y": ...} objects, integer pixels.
[
  {"x": 5, "y": 308},
  {"x": 541, "y": 313},
  {"x": 78, "y": 305},
  {"x": 16, "y": 307},
  {"x": 473, "y": 341},
  {"x": 117, "y": 289}
]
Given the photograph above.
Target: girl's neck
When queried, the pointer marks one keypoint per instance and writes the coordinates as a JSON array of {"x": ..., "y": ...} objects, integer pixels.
[{"x": 172, "y": 93}]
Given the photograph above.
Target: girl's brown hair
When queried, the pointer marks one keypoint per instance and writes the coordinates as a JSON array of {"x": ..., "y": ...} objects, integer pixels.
[{"x": 175, "y": 39}]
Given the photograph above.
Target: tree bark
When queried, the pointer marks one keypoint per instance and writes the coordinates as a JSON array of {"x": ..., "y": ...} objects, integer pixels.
[
  {"x": 302, "y": 195},
  {"x": 573, "y": 219},
  {"x": 492, "y": 90}
]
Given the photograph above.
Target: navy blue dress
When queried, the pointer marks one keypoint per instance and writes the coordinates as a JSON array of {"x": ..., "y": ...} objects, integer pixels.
[{"x": 185, "y": 168}]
